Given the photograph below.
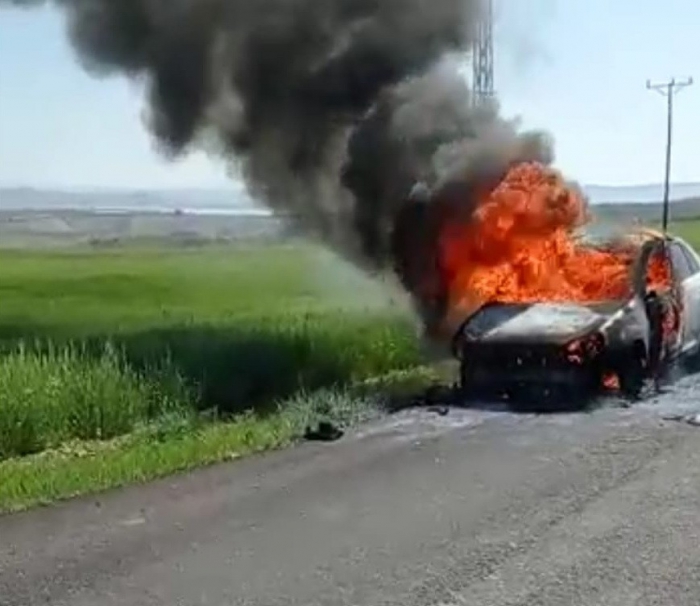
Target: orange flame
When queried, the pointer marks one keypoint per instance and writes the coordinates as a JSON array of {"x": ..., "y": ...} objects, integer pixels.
[
  {"x": 518, "y": 246},
  {"x": 658, "y": 273},
  {"x": 611, "y": 381}
]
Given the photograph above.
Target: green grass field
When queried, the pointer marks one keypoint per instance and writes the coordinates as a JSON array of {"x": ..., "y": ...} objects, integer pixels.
[
  {"x": 124, "y": 365},
  {"x": 688, "y": 229}
]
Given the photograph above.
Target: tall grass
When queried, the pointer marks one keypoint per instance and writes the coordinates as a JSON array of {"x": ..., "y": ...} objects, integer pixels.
[
  {"x": 244, "y": 365},
  {"x": 61, "y": 394},
  {"x": 94, "y": 345}
]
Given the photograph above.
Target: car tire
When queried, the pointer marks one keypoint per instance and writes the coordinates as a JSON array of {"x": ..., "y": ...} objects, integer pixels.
[{"x": 632, "y": 376}]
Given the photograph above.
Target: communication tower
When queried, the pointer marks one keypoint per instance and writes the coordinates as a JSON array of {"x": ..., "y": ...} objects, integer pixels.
[{"x": 483, "y": 56}]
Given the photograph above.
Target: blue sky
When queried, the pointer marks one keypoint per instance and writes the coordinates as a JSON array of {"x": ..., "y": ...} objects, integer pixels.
[{"x": 575, "y": 67}]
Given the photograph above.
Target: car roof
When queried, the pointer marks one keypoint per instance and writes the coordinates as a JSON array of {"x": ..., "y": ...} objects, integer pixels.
[{"x": 651, "y": 233}]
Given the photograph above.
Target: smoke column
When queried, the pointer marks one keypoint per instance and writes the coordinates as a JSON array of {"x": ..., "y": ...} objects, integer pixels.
[{"x": 332, "y": 110}]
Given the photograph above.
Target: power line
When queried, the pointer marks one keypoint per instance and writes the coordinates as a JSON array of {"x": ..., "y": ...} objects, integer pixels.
[
  {"x": 482, "y": 60},
  {"x": 668, "y": 90}
]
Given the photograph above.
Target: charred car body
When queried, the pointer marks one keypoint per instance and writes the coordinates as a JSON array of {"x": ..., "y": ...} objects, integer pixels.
[{"x": 571, "y": 351}]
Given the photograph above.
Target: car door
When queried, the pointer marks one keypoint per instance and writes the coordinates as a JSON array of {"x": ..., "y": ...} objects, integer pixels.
[{"x": 686, "y": 267}]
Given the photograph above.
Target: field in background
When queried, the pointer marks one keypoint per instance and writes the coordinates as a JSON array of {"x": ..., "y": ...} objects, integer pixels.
[
  {"x": 689, "y": 230},
  {"x": 132, "y": 354}
]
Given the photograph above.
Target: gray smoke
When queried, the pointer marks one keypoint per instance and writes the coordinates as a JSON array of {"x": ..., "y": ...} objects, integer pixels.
[{"x": 331, "y": 109}]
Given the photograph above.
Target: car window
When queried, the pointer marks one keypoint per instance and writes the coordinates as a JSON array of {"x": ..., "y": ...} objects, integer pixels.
[{"x": 681, "y": 266}]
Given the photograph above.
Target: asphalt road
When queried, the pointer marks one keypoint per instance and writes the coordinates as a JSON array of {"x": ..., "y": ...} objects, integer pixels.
[{"x": 475, "y": 508}]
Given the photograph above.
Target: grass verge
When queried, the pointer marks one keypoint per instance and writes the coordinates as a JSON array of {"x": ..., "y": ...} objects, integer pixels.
[{"x": 178, "y": 442}]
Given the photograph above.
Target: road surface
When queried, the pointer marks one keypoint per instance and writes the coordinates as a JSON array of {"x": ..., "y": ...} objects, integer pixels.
[{"x": 474, "y": 508}]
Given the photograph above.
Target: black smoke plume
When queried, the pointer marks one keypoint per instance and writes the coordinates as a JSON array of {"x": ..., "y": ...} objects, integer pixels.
[{"x": 332, "y": 110}]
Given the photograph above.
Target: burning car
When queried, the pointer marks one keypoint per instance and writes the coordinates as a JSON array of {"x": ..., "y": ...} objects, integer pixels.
[
  {"x": 570, "y": 349},
  {"x": 536, "y": 299}
]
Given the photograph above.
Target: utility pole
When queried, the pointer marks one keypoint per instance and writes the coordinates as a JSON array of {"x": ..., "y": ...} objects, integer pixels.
[
  {"x": 482, "y": 60},
  {"x": 668, "y": 90}
]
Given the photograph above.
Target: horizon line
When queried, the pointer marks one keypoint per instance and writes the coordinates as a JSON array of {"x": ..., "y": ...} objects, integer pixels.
[{"x": 241, "y": 190}]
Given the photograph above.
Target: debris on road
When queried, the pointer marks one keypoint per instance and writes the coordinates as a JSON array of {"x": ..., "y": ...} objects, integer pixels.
[
  {"x": 690, "y": 419},
  {"x": 441, "y": 410},
  {"x": 325, "y": 432}
]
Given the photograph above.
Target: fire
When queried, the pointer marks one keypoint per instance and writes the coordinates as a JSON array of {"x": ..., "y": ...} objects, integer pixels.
[
  {"x": 611, "y": 381},
  {"x": 659, "y": 273},
  {"x": 519, "y": 246}
]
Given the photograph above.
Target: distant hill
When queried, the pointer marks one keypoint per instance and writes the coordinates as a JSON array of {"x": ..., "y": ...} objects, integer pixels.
[
  {"x": 202, "y": 201},
  {"x": 643, "y": 202},
  {"x": 620, "y": 202},
  {"x": 679, "y": 210},
  {"x": 602, "y": 194},
  {"x": 38, "y": 218}
]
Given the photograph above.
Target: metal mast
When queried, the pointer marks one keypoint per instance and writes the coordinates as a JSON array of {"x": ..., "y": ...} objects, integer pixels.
[
  {"x": 668, "y": 90},
  {"x": 483, "y": 56}
]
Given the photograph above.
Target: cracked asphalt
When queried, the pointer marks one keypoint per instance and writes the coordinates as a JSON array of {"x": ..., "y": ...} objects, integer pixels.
[{"x": 477, "y": 507}]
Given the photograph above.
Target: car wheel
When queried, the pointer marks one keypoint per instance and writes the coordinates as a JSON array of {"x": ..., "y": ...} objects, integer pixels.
[{"x": 632, "y": 376}]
